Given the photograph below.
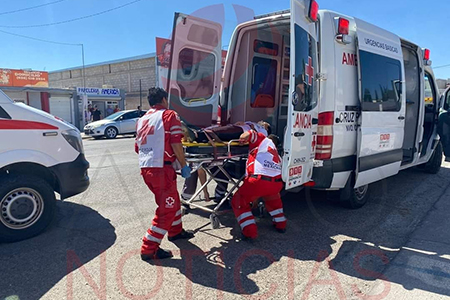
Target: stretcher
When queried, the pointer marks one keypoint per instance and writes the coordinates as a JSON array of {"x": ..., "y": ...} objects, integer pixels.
[{"x": 212, "y": 158}]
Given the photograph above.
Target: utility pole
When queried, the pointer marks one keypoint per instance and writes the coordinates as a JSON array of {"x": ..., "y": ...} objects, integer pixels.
[
  {"x": 84, "y": 96},
  {"x": 140, "y": 92}
]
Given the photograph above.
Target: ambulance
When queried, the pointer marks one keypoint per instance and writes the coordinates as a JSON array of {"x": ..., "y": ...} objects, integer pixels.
[
  {"x": 39, "y": 155},
  {"x": 352, "y": 102}
]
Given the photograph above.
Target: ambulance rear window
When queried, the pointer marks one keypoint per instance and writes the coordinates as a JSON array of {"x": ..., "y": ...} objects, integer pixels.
[{"x": 381, "y": 79}]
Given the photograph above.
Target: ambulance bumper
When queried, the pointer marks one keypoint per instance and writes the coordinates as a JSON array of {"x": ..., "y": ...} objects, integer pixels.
[
  {"x": 323, "y": 176},
  {"x": 72, "y": 177}
]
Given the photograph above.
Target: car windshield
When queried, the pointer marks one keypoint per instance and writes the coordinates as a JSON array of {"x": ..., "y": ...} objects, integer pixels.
[{"x": 114, "y": 116}]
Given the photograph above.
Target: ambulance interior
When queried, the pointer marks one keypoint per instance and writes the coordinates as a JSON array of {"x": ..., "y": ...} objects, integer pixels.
[
  {"x": 413, "y": 103},
  {"x": 259, "y": 81}
]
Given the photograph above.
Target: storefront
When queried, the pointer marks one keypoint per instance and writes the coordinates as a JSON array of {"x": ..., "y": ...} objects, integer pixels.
[{"x": 105, "y": 99}]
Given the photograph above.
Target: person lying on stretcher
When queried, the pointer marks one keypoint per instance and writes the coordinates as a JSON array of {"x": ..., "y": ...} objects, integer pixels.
[{"x": 225, "y": 133}]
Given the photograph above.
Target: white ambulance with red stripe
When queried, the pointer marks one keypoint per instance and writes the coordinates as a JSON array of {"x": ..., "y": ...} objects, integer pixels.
[
  {"x": 39, "y": 155},
  {"x": 346, "y": 97}
]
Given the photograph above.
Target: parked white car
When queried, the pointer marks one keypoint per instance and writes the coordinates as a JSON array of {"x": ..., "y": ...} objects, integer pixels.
[{"x": 122, "y": 122}]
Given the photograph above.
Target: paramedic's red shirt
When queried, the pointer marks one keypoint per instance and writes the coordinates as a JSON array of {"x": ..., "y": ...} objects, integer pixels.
[
  {"x": 256, "y": 139},
  {"x": 173, "y": 132}
]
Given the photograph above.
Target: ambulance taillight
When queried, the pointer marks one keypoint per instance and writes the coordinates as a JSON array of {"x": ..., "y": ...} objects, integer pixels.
[
  {"x": 313, "y": 13},
  {"x": 325, "y": 136},
  {"x": 426, "y": 57},
  {"x": 343, "y": 26},
  {"x": 343, "y": 30}
]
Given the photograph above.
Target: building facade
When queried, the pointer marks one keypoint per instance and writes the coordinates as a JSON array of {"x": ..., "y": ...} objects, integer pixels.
[{"x": 134, "y": 76}]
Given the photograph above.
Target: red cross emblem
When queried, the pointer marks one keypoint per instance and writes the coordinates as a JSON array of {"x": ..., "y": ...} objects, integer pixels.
[
  {"x": 309, "y": 71},
  {"x": 274, "y": 152},
  {"x": 144, "y": 132}
]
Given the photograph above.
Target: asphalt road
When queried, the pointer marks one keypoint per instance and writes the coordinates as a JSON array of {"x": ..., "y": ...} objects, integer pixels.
[{"x": 91, "y": 251}]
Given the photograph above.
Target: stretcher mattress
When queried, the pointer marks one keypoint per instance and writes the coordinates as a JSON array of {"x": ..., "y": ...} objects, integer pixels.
[{"x": 220, "y": 148}]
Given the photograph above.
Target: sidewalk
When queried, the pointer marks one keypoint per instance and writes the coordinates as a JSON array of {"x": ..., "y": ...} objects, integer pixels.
[{"x": 421, "y": 270}]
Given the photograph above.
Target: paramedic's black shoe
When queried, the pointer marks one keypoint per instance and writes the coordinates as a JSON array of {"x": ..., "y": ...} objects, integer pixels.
[
  {"x": 160, "y": 254},
  {"x": 280, "y": 230},
  {"x": 183, "y": 235}
]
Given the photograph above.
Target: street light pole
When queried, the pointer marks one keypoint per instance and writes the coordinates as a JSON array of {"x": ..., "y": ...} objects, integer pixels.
[{"x": 84, "y": 96}]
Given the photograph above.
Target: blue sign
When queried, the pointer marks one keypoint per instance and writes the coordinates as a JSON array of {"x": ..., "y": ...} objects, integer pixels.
[{"x": 99, "y": 92}]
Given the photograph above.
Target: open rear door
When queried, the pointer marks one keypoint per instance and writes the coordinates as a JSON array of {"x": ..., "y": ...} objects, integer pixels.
[
  {"x": 383, "y": 104},
  {"x": 195, "y": 69},
  {"x": 301, "y": 131}
]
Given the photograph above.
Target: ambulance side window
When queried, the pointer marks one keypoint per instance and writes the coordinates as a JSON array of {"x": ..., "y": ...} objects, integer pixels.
[
  {"x": 4, "y": 114},
  {"x": 381, "y": 79},
  {"x": 306, "y": 87},
  {"x": 429, "y": 92}
]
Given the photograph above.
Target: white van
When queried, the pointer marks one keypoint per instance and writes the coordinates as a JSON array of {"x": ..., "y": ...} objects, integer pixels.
[
  {"x": 39, "y": 155},
  {"x": 347, "y": 97}
]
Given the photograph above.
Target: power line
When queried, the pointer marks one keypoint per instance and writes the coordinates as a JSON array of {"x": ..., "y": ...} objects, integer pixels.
[
  {"x": 38, "y": 39},
  {"x": 30, "y": 8},
  {"x": 72, "y": 20},
  {"x": 444, "y": 66}
]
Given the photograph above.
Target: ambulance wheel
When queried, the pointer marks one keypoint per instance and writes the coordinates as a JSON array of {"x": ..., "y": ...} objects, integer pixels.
[
  {"x": 215, "y": 223},
  {"x": 111, "y": 132},
  {"x": 353, "y": 198},
  {"x": 434, "y": 165},
  {"x": 27, "y": 207}
]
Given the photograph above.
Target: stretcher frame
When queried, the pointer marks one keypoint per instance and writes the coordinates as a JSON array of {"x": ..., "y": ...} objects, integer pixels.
[{"x": 208, "y": 162}]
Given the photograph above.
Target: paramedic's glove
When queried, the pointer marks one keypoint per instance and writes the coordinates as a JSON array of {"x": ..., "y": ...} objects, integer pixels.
[{"x": 186, "y": 172}]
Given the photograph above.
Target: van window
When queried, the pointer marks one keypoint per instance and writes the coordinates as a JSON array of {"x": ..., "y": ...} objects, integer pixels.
[
  {"x": 195, "y": 75},
  {"x": 4, "y": 114},
  {"x": 381, "y": 79},
  {"x": 131, "y": 115},
  {"x": 305, "y": 98},
  {"x": 429, "y": 92},
  {"x": 264, "y": 82}
]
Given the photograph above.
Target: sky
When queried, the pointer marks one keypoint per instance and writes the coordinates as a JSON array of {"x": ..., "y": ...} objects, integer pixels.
[{"x": 131, "y": 30}]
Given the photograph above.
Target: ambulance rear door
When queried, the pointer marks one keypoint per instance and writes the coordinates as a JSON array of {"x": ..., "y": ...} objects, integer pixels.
[
  {"x": 301, "y": 132},
  {"x": 383, "y": 104},
  {"x": 195, "y": 69}
]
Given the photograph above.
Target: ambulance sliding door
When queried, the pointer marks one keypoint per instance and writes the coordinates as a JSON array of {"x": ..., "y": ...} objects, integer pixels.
[
  {"x": 383, "y": 104},
  {"x": 301, "y": 131},
  {"x": 195, "y": 69}
]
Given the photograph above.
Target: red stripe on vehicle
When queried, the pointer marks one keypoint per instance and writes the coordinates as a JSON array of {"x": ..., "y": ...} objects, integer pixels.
[{"x": 25, "y": 125}]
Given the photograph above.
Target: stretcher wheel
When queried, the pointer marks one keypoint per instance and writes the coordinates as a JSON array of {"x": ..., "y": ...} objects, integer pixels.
[{"x": 215, "y": 223}]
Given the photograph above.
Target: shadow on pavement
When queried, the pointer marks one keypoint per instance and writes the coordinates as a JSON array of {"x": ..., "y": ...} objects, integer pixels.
[
  {"x": 373, "y": 235},
  {"x": 32, "y": 267}
]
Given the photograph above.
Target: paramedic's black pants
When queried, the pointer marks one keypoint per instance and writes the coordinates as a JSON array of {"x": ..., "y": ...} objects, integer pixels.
[{"x": 224, "y": 133}]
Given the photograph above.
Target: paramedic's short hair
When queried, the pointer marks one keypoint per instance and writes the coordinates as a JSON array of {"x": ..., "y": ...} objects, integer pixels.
[
  {"x": 275, "y": 139},
  {"x": 156, "y": 96}
]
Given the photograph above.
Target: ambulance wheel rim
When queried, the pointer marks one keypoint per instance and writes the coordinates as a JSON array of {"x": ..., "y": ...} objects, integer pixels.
[
  {"x": 111, "y": 132},
  {"x": 21, "y": 208},
  {"x": 361, "y": 192}
]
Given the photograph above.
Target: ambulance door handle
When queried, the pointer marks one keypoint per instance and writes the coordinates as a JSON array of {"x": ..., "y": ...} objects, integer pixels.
[
  {"x": 401, "y": 118},
  {"x": 299, "y": 134}
]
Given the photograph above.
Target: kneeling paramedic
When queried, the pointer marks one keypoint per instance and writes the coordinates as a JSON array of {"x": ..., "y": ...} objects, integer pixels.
[
  {"x": 263, "y": 180},
  {"x": 158, "y": 143}
]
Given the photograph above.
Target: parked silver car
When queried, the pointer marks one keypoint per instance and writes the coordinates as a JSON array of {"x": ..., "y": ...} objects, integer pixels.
[{"x": 122, "y": 122}]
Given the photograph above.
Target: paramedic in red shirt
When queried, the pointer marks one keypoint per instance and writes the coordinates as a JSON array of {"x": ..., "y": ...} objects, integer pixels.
[
  {"x": 158, "y": 143},
  {"x": 263, "y": 180}
]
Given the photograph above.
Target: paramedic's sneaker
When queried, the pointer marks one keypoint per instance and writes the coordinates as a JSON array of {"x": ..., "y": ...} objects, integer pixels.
[
  {"x": 183, "y": 235},
  {"x": 159, "y": 254}
]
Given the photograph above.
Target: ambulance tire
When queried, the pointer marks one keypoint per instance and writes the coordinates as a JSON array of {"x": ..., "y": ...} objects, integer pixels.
[
  {"x": 434, "y": 165},
  {"x": 111, "y": 132},
  {"x": 353, "y": 198},
  {"x": 23, "y": 191}
]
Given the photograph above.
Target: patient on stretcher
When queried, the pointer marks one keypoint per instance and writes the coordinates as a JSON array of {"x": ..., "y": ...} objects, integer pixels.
[{"x": 224, "y": 133}]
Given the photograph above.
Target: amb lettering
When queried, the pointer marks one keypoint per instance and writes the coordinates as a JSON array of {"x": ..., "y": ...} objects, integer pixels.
[
  {"x": 303, "y": 121},
  {"x": 350, "y": 59}
]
